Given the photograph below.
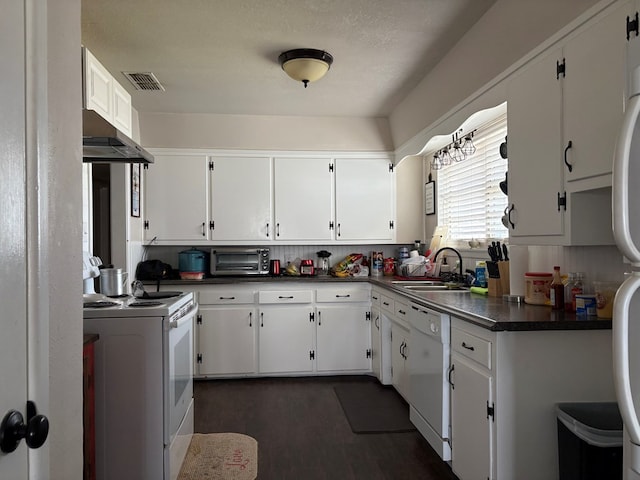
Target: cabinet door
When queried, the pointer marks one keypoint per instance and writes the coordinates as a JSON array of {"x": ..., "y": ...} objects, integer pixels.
[
  {"x": 286, "y": 339},
  {"x": 303, "y": 190},
  {"x": 121, "y": 109},
  {"x": 364, "y": 199},
  {"x": 98, "y": 86},
  {"x": 226, "y": 340},
  {"x": 175, "y": 191},
  {"x": 593, "y": 95},
  {"x": 342, "y": 338},
  {"x": 399, "y": 355},
  {"x": 241, "y": 198},
  {"x": 535, "y": 146},
  {"x": 471, "y": 430},
  {"x": 376, "y": 343}
]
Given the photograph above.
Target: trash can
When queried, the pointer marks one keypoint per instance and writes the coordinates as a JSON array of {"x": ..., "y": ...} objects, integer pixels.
[{"x": 589, "y": 441}]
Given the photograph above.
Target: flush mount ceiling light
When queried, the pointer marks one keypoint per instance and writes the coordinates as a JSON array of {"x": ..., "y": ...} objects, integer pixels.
[{"x": 305, "y": 64}]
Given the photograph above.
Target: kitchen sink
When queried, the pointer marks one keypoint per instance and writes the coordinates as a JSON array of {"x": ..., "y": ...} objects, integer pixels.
[
  {"x": 433, "y": 288},
  {"x": 418, "y": 283}
]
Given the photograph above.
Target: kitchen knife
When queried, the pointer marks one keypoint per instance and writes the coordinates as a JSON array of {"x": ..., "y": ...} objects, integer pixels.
[{"x": 505, "y": 252}]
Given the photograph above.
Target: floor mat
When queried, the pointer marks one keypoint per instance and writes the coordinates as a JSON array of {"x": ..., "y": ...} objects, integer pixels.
[
  {"x": 228, "y": 456},
  {"x": 374, "y": 408}
]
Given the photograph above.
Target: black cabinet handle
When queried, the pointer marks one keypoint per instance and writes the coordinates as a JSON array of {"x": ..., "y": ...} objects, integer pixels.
[
  {"x": 251, "y": 319},
  {"x": 468, "y": 347},
  {"x": 262, "y": 319},
  {"x": 511, "y": 208},
  {"x": 319, "y": 318},
  {"x": 569, "y": 166},
  {"x": 377, "y": 322},
  {"x": 338, "y": 229},
  {"x": 277, "y": 229},
  {"x": 402, "y": 312},
  {"x": 285, "y": 297},
  {"x": 451, "y": 368},
  {"x": 203, "y": 230},
  {"x": 267, "y": 230},
  {"x": 385, "y": 303},
  {"x": 343, "y": 296},
  {"x": 226, "y": 298}
]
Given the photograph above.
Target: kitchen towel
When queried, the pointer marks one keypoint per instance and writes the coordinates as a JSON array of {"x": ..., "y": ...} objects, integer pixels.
[
  {"x": 518, "y": 266},
  {"x": 220, "y": 456}
]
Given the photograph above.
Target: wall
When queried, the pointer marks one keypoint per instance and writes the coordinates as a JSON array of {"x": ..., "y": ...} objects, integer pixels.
[
  {"x": 61, "y": 221},
  {"x": 264, "y": 132},
  {"x": 506, "y": 33}
]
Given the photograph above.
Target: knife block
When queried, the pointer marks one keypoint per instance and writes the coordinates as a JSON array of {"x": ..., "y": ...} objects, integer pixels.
[
  {"x": 504, "y": 277},
  {"x": 495, "y": 287}
]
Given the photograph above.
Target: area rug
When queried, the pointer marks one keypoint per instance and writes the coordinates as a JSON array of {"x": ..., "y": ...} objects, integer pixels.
[
  {"x": 374, "y": 408},
  {"x": 220, "y": 456}
]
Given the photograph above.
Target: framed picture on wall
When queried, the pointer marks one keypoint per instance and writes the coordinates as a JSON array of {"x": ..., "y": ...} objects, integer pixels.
[
  {"x": 135, "y": 189},
  {"x": 430, "y": 198}
]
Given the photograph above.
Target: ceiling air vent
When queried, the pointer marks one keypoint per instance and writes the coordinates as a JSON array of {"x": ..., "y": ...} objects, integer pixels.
[{"x": 144, "y": 80}]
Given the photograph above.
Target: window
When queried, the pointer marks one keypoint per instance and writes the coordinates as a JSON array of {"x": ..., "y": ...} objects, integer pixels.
[{"x": 469, "y": 199}]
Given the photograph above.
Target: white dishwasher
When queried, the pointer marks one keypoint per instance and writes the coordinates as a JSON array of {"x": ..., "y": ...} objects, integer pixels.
[{"x": 428, "y": 366}]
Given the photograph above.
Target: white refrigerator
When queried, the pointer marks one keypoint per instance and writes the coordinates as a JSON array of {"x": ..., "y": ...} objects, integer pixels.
[{"x": 626, "y": 229}]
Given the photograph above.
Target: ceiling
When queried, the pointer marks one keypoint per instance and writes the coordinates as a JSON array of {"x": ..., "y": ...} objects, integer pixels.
[{"x": 221, "y": 56}]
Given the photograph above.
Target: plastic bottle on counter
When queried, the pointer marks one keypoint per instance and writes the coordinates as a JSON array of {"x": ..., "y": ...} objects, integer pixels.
[
  {"x": 571, "y": 279},
  {"x": 577, "y": 289},
  {"x": 556, "y": 291}
]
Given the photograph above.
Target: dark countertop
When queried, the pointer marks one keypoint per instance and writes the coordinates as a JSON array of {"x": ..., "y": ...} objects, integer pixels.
[
  {"x": 492, "y": 313},
  {"x": 497, "y": 314}
]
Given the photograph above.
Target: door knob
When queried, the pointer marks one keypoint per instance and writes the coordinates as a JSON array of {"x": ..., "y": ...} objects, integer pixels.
[{"x": 13, "y": 429}]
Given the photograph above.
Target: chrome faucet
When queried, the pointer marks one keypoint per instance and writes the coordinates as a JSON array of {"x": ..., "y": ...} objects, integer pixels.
[{"x": 435, "y": 257}]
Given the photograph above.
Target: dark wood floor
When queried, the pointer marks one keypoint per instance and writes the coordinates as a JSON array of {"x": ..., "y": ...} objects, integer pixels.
[{"x": 302, "y": 432}]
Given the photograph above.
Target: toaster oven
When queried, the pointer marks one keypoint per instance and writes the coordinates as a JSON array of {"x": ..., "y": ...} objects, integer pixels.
[{"x": 239, "y": 261}]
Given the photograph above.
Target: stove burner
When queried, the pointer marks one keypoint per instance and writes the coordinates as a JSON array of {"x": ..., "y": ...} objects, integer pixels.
[
  {"x": 145, "y": 304},
  {"x": 123, "y": 295},
  {"x": 102, "y": 304}
]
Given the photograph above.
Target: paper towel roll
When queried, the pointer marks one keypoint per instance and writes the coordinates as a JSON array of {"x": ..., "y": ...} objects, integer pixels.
[{"x": 518, "y": 266}]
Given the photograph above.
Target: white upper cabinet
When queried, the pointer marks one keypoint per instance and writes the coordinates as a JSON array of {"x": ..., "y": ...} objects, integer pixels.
[
  {"x": 593, "y": 95},
  {"x": 535, "y": 143},
  {"x": 241, "y": 198},
  {"x": 303, "y": 191},
  {"x": 364, "y": 200},
  {"x": 565, "y": 109},
  {"x": 104, "y": 94},
  {"x": 176, "y": 199}
]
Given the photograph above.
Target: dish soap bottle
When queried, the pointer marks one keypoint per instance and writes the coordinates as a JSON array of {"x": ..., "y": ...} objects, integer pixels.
[{"x": 556, "y": 292}]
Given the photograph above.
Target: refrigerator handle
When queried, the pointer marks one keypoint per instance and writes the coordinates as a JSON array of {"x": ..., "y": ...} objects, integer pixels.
[
  {"x": 621, "y": 361},
  {"x": 620, "y": 181}
]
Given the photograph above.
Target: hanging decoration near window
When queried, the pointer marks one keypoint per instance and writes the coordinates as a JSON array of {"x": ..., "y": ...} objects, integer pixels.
[
  {"x": 430, "y": 196},
  {"x": 458, "y": 150}
]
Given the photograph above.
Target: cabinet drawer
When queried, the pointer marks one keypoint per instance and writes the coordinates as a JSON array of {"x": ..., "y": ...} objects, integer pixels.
[
  {"x": 375, "y": 298},
  {"x": 341, "y": 295},
  {"x": 285, "y": 296},
  {"x": 226, "y": 297},
  {"x": 401, "y": 310},
  {"x": 387, "y": 304},
  {"x": 475, "y": 348}
]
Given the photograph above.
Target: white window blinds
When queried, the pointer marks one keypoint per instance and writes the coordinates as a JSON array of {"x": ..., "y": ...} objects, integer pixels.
[{"x": 469, "y": 199}]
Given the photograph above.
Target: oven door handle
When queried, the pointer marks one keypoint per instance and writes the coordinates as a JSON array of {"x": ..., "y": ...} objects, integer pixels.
[{"x": 186, "y": 318}]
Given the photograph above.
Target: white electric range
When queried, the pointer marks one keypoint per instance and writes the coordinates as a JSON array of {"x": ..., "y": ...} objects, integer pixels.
[{"x": 143, "y": 384}]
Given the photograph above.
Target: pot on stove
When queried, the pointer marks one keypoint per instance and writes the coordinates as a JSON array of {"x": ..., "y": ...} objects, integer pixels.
[
  {"x": 192, "y": 263},
  {"x": 112, "y": 282}
]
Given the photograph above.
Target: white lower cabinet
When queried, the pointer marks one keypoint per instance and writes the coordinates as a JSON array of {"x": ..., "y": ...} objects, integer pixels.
[
  {"x": 226, "y": 341},
  {"x": 343, "y": 338},
  {"x": 286, "y": 339},
  {"x": 399, "y": 359},
  {"x": 472, "y": 421}
]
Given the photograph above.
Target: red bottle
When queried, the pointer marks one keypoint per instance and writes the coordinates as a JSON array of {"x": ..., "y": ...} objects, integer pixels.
[{"x": 556, "y": 293}]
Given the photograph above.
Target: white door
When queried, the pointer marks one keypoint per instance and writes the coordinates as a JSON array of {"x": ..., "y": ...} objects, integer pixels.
[
  {"x": 535, "y": 148},
  {"x": 364, "y": 199},
  {"x": 226, "y": 340},
  {"x": 342, "y": 338},
  {"x": 241, "y": 198},
  {"x": 13, "y": 234},
  {"x": 286, "y": 339},
  {"x": 176, "y": 198},
  {"x": 303, "y": 198}
]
